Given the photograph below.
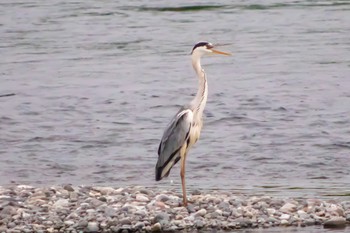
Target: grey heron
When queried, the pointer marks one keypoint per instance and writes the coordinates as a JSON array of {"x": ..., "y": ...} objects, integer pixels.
[{"x": 184, "y": 129}]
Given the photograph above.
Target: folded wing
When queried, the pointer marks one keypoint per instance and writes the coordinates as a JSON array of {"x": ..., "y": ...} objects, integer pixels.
[{"x": 174, "y": 137}]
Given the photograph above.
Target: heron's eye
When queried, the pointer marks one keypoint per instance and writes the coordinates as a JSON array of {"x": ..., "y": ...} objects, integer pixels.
[{"x": 209, "y": 46}]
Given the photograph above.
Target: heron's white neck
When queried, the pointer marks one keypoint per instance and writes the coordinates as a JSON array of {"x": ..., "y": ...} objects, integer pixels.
[{"x": 198, "y": 103}]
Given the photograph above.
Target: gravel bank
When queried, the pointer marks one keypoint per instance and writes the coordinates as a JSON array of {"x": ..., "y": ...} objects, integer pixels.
[{"x": 138, "y": 209}]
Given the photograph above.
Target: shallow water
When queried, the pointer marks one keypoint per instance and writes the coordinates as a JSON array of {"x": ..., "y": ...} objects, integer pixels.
[{"x": 96, "y": 83}]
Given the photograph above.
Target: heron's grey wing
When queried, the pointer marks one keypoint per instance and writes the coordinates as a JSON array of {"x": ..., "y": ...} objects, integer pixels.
[{"x": 173, "y": 139}]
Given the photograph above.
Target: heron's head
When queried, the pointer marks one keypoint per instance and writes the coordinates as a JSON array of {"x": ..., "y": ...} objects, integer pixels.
[{"x": 204, "y": 48}]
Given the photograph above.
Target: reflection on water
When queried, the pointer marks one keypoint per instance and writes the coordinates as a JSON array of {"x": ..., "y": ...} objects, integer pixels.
[{"x": 96, "y": 83}]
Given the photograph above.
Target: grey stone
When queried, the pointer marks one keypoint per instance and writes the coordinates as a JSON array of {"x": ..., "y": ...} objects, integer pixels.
[
  {"x": 335, "y": 222},
  {"x": 147, "y": 192},
  {"x": 95, "y": 202},
  {"x": 162, "y": 198},
  {"x": 191, "y": 208},
  {"x": 11, "y": 225},
  {"x": 125, "y": 221},
  {"x": 68, "y": 188},
  {"x": 224, "y": 206},
  {"x": 160, "y": 217},
  {"x": 196, "y": 192},
  {"x": 82, "y": 223},
  {"x": 243, "y": 222},
  {"x": 198, "y": 223},
  {"x": 139, "y": 225},
  {"x": 348, "y": 217},
  {"x": 8, "y": 210},
  {"x": 309, "y": 222},
  {"x": 110, "y": 212}
]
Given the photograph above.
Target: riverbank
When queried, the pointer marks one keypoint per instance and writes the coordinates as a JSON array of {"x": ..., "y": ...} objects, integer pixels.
[{"x": 138, "y": 209}]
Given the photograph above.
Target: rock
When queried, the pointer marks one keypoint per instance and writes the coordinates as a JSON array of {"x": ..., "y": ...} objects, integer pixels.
[
  {"x": 142, "y": 198},
  {"x": 125, "y": 228},
  {"x": 199, "y": 224},
  {"x": 191, "y": 208},
  {"x": 285, "y": 217},
  {"x": 348, "y": 217},
  {"x": 8, "y": 211},
  {"x": 90, "y": 211},
  {"x": 95, "y": 202},
  {"x": 162, "y": 198},
  {"x": 243, "y": 222},
  {"x": 92, "y": 227},
  {"x": 61, "y": 203},
  {"x": 110, "y": 212},
  {"x": 196, "y": 192},
  {"x": 25, "y": 215},
  {"x": 284, "y": 222},
  {"x": 271, "y": 211},
  {"x": 309, "y": 222},
  {"x": 68, "y": 188},
  {"x": 11, "y": 225},
  {"x": 335, "y": 222},
  {"x": 156, "y": 227},
  {"x": 105, "y": 190},
  {"x": 302, "y": 214},
  {"x": 162, "y": 218},
  {"x": 125, "y": 221},
  {"x": 147, "y": 192},
  {"x": 201, "y": 213},
  {"x": 288, "y": 208},
  {"x": 82, "y": 223},
  {"x": 139, "y": 225},
  {"x": 73, "y": 196},
  {"x": 68, "y": 222},
  {"x": 224, "y": 206}
]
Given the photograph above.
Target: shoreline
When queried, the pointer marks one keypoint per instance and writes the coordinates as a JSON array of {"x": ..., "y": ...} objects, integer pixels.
[{"x": 68, "y": 208}]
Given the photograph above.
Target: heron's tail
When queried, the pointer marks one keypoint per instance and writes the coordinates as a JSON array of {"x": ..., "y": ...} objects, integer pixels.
[
  {"x": 163, "y": 171},
  {"x": 159, "y": 171}
]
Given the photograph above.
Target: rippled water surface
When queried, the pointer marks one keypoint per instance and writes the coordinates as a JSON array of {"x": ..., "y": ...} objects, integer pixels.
[{"x": 96, "y": 83}]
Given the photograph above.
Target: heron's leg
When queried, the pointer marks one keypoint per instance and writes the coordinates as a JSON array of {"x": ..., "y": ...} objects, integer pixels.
[{"x": 182, "y": 174}]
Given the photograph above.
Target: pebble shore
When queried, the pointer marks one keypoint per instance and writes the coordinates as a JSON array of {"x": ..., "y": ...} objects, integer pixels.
[{"x": 137, "y": 209}]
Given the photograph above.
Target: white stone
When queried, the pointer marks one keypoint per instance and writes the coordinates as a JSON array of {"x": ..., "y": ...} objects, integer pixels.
[
  {"x": 61, "y": 203},
  {"x": 68, "y": 222},
  {"x": 271, "y": 211},
  {"x": 284, "y": 222},
  {"x": 288, "y": 208},
  {"x": 92, "y": 227},
  {"x": 285, "y": 217},
  {"x": 23, "y": 186},
  {"x": 142, "y": 198},
  {"x": 302, "y": 214},
  {"x": 156, "y": 227},
  {"x": 201, "y": 212}
]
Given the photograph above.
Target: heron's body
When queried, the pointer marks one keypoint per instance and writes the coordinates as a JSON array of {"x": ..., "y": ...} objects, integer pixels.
[{"x": 185, "y": 128}]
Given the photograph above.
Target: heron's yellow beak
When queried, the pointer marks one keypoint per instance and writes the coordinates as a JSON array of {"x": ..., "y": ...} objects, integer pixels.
[{"x": 220, "y": 52}]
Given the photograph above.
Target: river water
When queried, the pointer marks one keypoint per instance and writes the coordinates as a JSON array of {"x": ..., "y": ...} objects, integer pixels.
[{"x": 96, "y": 82}]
